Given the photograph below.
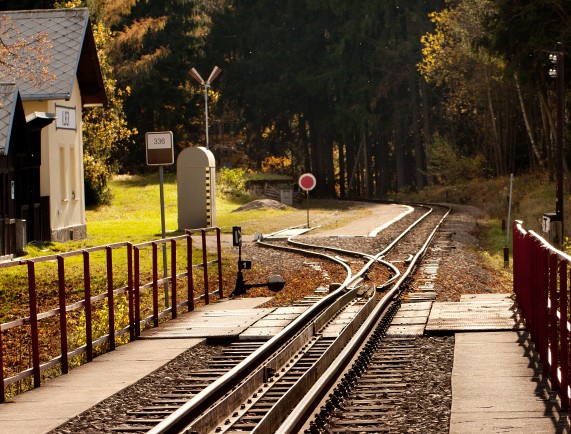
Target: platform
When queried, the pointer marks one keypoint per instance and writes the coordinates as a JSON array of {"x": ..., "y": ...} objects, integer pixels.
[
  {"x": 497, "y": 387},
  {"x": 477, "y": 312},
  {"x": 45, "y": 408},
  {"x": 496, "y": 378},
  {"x": 209, "y": 323},
  {"x": 272, "y": 323}
]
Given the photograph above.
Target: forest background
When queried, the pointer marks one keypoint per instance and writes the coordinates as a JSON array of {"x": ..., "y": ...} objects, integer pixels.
[{"x": 371, "y": 96}]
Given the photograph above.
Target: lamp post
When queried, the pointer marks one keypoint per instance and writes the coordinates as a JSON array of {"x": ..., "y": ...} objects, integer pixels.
[
  {"x": 558, "y": 72},
  {"x": 194, "y": 74}
]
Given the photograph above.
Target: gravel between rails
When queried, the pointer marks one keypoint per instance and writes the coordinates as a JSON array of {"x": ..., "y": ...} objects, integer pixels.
[{"x": 427, "y": 408}]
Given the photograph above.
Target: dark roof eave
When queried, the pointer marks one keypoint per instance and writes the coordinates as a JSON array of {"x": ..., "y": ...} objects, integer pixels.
[
  {"x": 88, "y": 71},
  {"x": 95, "y": 100},
  {"x": 46, "y": 96},
  {"x": 17, "y": 116}
]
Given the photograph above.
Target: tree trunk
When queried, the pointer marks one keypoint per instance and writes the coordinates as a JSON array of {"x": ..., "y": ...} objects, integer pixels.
[
  {"x": 353, "y": 180},
  {"x": 527, "y": 124},
  {"x": 342, "y": 175},
  {"x": 552, "y": 134},
  {"x": 399, "y": 157},
  {"x": 370, "y": 170},
  {"x": 426, "y": 129},
  {"x": 317, "y": 163},
  {"x": 419, "y": 165},
  {"x": 305, "y": 141},
  {"x": 329, "y": 168},
  {"x": 383, "y": 157},
  {"x": 549, "y": 134},
  {"x": 350, "y": 159},
  {"x": 500, "y": 169},
  {"x": 366, "y": 191}
]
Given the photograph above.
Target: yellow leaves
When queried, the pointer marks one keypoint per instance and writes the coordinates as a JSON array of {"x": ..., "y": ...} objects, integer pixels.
[
  {"x": 453, "y": 58},
  {"x": 145, "y": 63},
  {"x": 432, "y": 47},
  {"x": 132, "y": 36},
  {"x": 436, "y": 47},
  {"x": 267, "y": 132},
  {"x": 113, "y": 10},
  {"x": 68, "y": 4},
  {"x": 213, "y": 95},
  {"x": 276, "y": 164},
  {"x": 24, "y": 58}
]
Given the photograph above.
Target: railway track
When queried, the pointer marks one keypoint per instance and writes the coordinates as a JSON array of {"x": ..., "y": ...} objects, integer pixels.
[{"x": 256, "y": 386}]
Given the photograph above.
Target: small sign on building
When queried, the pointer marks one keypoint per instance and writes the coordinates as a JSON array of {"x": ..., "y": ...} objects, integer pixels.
[
  {"x": 286, "y": 196},
  {"x": 66, "y": 118}
]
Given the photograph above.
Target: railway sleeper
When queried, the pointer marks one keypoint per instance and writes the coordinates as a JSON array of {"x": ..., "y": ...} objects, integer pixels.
[
  {"x": 356, "y": 423},
  {"x": 130, "y": 429},
  {"x": 379, "y": 429},
  {"x": 191, "y": 387},
  {"x": 206, "y": 373},
  {"x": 149, "y": 412},
  {"x": 368, "y": 408}
]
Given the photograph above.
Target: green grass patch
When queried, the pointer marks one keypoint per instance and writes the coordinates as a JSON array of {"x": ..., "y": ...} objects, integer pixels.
[
  {"x": 259, "y": 176},
  {"x": 134, "y": 212}
]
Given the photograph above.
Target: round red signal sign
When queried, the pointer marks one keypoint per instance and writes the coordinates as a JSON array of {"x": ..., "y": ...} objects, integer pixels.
[{"x": 307, "y": 181}]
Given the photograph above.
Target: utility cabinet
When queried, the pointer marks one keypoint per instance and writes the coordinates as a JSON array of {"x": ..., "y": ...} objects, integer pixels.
[
  {"x": 551, "y": 225},
  {"x": 196, "y": 185}
]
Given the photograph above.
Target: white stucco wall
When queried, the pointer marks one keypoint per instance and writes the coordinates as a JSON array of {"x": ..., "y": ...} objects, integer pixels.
[{"x": 61, "y": 172}]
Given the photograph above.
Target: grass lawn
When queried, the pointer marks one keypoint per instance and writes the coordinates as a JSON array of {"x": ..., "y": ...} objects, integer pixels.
[{"x": 134, "y": 215}]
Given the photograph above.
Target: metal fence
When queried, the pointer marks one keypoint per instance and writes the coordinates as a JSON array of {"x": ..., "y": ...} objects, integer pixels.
[
  {"x": 97, "y": 306},
  {"x": 541, "y": 284}
]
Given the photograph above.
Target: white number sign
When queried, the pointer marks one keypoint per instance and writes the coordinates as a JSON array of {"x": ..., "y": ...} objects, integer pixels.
[
  {"x": 159, "y": 148},
  {"x": 65, "y": 118}
]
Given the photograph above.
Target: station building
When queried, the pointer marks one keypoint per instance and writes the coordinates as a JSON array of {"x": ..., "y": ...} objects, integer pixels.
[{"x": 41, "y": 143}]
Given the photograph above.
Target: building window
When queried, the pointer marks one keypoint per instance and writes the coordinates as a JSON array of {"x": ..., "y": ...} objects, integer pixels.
[
  {"x": 73, "y": 172},
  {"x": 63, "y": 172}
]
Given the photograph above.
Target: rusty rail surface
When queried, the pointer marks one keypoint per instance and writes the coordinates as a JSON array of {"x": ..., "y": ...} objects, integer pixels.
[
  {"x": 541, "y": 284},
  {"x": 140, "y": 295}
]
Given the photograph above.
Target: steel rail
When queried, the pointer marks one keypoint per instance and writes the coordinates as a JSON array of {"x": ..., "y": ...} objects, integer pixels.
[
  {"x": 379, "y": 256},
  {"x": 191, "y": 410},
  {"x": 208, "y": 397},
  {"x": 306, "y": 407},
  {"x": 303, "y": 385},
  {"x": 351, "y": 252},
  {"x": 306, "y": 252},
  {"x": 267, "y": 375}
]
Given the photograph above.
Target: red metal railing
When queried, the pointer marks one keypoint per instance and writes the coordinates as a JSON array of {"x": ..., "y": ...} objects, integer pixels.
[
  {"x": 100, "y": 302},
  {"x": 541, "y": 284}
]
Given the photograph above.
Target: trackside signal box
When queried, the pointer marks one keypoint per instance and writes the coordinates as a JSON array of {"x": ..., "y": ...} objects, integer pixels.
[
  {"x": 551, "y": 225},
  {"x": 196, "y": 185}
]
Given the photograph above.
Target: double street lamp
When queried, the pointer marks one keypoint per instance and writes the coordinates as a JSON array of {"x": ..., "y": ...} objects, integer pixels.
[{"x": 194, "y": 74}]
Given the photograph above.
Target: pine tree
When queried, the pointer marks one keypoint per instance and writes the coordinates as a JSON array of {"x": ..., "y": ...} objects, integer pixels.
[{"x": 157, "y": 44}]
